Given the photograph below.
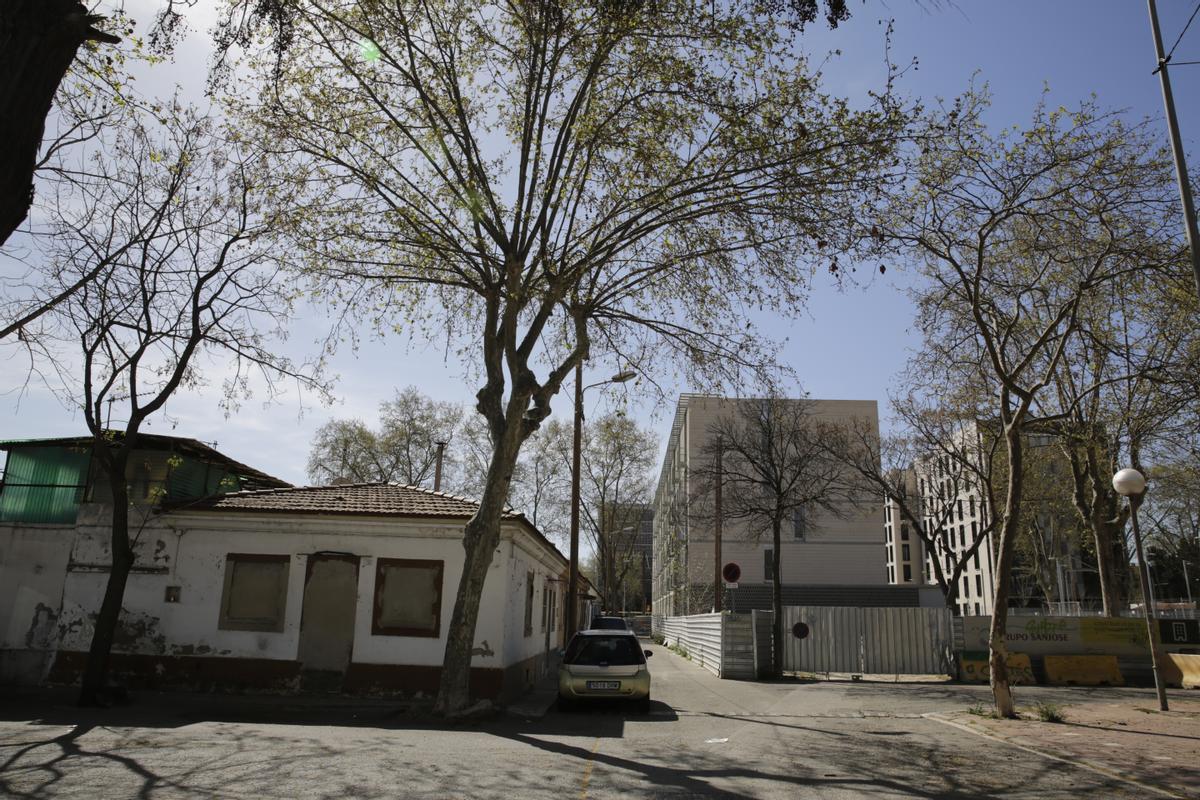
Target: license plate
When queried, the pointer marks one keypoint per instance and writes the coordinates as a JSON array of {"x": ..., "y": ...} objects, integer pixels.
[{"x": 604, "y": 684}]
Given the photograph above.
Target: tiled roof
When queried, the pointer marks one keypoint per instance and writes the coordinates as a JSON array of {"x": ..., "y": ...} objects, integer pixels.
[
  {"x": 354, "y": 499},
  {"x": 373, "y": 499}
]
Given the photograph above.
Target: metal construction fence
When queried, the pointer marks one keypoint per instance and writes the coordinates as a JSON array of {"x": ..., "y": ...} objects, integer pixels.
[
  {"x": 722, "y": 643},
  {"x": 868, "y": 641}
]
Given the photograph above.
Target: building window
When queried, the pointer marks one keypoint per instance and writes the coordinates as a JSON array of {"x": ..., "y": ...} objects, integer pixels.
[
  {"x": 799, "y": 522},
  {"x": 891, "y": 574},
  {"x": 553, "y": 610},
  {"x": 976, "y": 559},
  {"x": 529, "y": 604},
  {"x": 904, "y": 531},
  {"x": 960, "y": 509},
  {"x": 962, "y": 536},
  {"x": 768, "y": 565},
  {"x": 907, "y": 574},
  {"x": 977, "y": 611},
  {"x": 971, "y": 504},
  {"x": 255, "y": 593},
  {"x": 408, "y": 598},
  {"x": 545, "y": 606},
  {"x": 905, "y": 553},
  {"x": 979, "y": 586}
]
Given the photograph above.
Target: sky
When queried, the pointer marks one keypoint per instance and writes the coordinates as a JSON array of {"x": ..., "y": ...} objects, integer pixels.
[{"x": 847, "y": 344}]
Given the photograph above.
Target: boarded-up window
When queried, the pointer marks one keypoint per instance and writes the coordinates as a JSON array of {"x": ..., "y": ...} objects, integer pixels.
[
  {"x": 255, "y": 593},
  {"x": 408, "y": 598}
]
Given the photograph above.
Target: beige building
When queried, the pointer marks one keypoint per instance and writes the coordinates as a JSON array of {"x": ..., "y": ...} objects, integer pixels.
[{"x": 818, "y": 549}]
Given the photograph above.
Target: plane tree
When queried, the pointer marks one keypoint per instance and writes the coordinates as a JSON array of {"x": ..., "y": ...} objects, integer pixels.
[
  {"x": 537, "y": 183},
  {"x": 1014, "y": 234}
]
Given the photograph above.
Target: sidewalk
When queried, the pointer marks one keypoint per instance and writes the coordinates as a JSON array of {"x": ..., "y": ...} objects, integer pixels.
[{"x": 1131, "y": 739}]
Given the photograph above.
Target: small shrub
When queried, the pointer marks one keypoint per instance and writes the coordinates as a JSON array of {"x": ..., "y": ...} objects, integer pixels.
[
  {"x": 1050, "y": 712},
  {"x": 979, "y": 710}
]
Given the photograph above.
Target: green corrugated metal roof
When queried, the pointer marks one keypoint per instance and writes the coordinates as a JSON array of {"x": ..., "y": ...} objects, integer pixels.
[
  {"x": 252, "y": 478},
  {"x": 43, "y": 484}
]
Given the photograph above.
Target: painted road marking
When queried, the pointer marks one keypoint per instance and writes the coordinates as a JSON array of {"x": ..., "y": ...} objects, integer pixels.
[
  {"x": 587, "y": 770},
  {"x": 716, "y": 741}
]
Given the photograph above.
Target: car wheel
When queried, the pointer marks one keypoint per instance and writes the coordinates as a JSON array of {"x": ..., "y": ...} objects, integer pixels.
[
  {"x": 564, "y": 704},
  {"x": 643, "y": 705}
]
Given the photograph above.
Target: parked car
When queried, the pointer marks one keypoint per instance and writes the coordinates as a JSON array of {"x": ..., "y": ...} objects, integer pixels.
[
  {"x": 604, "y": 665},
  {"x": 609, "y": 624}
]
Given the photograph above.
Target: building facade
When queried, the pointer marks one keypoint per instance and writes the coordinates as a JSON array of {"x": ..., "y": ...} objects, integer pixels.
[
  {"x": 905, "y": 551},
  {"x": 332, "y": 588},
  {"x": 818, "y": 549}
]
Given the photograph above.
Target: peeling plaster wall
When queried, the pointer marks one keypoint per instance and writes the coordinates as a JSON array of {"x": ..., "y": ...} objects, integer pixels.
[
  {"x": 33, "y": 563},
  {"x": 65, "y": 571}
]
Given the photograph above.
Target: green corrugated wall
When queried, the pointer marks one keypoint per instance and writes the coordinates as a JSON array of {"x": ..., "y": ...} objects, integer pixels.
[{"x": 61, "y": 473}]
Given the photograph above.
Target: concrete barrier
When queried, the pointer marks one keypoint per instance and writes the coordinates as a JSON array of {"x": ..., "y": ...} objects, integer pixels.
[
  {"x": 973, "y": 668},
  {"x": 1091, "y": 670},
  {"x": 1182, "y": 671}
]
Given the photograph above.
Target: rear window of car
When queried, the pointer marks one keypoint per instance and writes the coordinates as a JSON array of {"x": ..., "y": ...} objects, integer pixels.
[
  {"x": 609, "y": 624},
  {"x": 598, "y": 651}
]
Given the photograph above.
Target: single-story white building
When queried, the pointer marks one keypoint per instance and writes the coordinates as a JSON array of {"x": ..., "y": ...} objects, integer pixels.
[{"x": 278, "y": 588}]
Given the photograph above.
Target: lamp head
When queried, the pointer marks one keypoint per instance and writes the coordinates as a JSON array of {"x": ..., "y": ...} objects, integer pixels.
[
  {"x": 623, "y": 376},
  {"x": 1129, "y": 482}
]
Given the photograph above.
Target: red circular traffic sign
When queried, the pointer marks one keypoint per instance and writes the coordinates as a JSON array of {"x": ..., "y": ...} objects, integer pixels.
[{"x": 731, "y": 572}]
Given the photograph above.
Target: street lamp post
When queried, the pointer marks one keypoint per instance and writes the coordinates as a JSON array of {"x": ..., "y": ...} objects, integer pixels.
[
  {"x": 1132, "y": 484},
  {"x": 576, "y": 449}
]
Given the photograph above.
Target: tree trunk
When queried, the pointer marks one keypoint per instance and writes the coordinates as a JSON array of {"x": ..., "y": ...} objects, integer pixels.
[
  {"x": 95, "y": 675},
  {"x": 998, "y": 656},
  {"x": 776, "y": 602},
  {"x": 480, "y": 538},
  {"x": 38, "y": 42},
  {"x": 1110, "y": 556}
]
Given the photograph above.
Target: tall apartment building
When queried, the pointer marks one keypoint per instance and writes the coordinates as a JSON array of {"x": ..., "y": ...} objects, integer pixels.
[
  {"x": 819, "y": 549},
  {"x": 905, "y": 550},
  {"x": 955, "y": 512}
]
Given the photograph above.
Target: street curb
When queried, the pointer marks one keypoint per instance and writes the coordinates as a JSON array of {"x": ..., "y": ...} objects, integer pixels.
[{"x": 1088, "y": 765}]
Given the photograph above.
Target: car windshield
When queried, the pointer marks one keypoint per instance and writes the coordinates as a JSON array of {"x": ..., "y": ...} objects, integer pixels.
[
  {"x": 609, "y": 624},
  {"x": 600, "y": 651}
]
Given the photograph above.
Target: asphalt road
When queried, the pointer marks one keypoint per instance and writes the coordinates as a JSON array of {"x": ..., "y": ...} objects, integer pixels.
[{"x": 703, "y": 737}]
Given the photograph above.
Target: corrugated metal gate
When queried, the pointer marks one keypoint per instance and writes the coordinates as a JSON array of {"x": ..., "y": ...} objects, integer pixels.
[{"x": 868, "y": 641}]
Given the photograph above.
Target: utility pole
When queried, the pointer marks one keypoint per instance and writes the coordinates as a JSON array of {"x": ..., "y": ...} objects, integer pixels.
[
  {"x": 1181, "y": 174},
  {"x": 576, "y": 447},
  {"x": 717, "y": 577}
]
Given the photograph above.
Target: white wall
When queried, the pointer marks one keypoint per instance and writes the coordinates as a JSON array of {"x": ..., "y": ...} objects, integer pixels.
[
  {"x": 189, "y": 549},
  {"x": 33, "y": 563}
]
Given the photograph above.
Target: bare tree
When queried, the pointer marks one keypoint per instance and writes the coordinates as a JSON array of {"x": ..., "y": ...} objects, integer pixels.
[
  {"x": 403, "y": 450},
  {"x": 538, "y": 183},
  {"x": 1013, "y": 235},
  {"x": 186, "y": 274},
  {"x": 617, "y": 463},
  {"x": 772, "y": 458},
  {"x": 925, "y": 469}
]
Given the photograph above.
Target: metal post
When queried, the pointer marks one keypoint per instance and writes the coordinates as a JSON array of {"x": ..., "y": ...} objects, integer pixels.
[
  {"x": 1135, "y": 500},
  {"x": 1186, "y": 581},
  {"x": 577, "y": 445},
  {"x": 717, "y": 576},
  {"x": 1181, "y": 174}
]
